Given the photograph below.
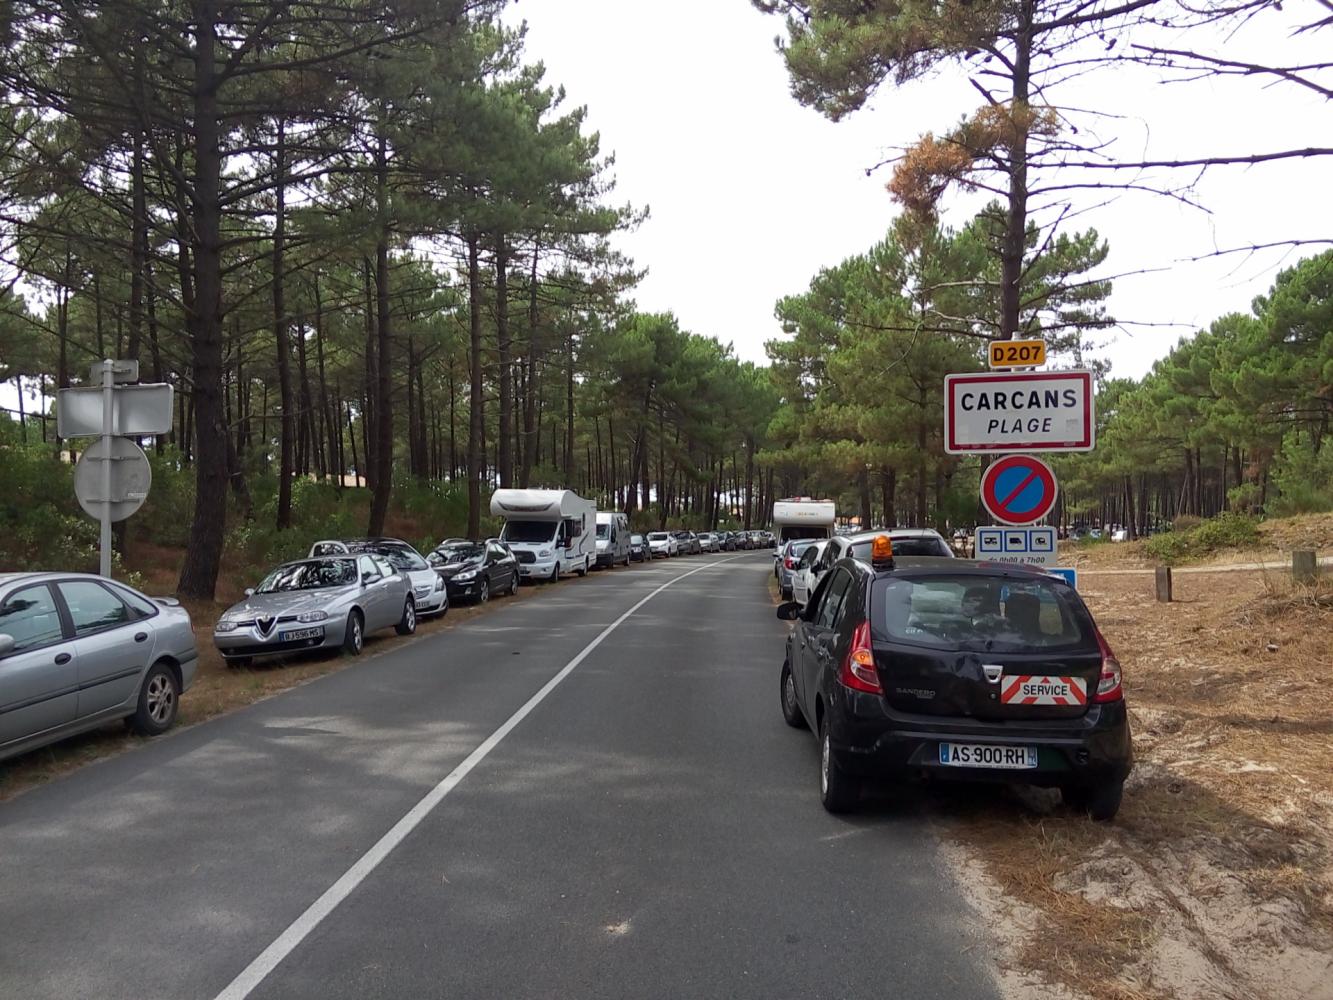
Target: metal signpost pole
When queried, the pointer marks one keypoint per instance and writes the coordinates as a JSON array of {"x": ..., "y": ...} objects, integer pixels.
[{"x": 108, "y": 428}]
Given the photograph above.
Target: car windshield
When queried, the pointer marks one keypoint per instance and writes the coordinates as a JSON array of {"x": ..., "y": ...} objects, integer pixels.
[
  {"x": 309, "y": 576},
  {"x": 467, "y": 552},
  {"x": 658, "y": 536},
  {"x": 636, "y": 539},
  {"x": 604, "y": 531},
  {"x": 403, "y": 560},
  {"x": 982, "y": 613},
  {"x": 915, "y": 545},
  {"x": 530, "y": 531},
  {"x": 796, "y": 548}
]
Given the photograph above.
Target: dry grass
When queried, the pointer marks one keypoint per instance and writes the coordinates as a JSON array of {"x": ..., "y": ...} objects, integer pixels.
[{"x": 1216, "y": 880}]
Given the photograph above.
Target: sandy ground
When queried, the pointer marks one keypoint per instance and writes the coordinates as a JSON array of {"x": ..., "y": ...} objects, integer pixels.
[{"x": 1216, "y": 880}]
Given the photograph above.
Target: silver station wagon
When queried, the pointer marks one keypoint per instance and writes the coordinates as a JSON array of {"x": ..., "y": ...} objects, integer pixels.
[
  {"x": 77, "y": 651},
  {"x": 328, "y": 602}
]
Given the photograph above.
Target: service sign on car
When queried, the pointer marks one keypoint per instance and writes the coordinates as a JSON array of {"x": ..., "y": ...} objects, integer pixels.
[
  {"x": 1018, "y": 411},
  {"x": 1031, "y": 690}
]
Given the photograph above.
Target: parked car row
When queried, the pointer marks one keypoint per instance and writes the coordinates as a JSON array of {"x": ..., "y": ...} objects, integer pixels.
[{"x": 79, "y": 650}]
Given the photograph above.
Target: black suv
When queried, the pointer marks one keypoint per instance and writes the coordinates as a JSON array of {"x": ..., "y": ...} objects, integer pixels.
[{"x": 956, "y": 669}]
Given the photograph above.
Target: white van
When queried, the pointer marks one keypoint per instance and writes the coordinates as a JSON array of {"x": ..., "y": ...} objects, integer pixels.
[
  {"x": 549, "y": 531},
  {"x": 802, "y": 517},
  {"x": 612, "y": 538}
]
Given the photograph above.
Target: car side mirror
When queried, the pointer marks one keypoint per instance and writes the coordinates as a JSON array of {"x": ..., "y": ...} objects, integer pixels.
[
  {"x": 789, "y": 612},
  {"x": 249, "y": 591},
  {"x": 6, "y": 644},
  {"x": 368, "y": 578}
]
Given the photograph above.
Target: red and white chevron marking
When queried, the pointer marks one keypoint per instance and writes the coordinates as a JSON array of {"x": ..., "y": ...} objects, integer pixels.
[{"x": 1032, "y": 690}]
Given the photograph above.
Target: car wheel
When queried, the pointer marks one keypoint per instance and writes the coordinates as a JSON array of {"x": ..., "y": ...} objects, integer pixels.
[
  {"x": 1101, "y": 802},
  {"x": 484, "y": 594},
  {"x": 791, "y": 710},
  {"x": 786, "y": 594},
  {"x": 354, "y": 640},
  {"x": 159, "y": 701},
  {"x": 408, "y": 623},
  {"x": 838, "y": 791},
  {"x": 583, "y": 570},
  {"x": 555, "y": 573}
]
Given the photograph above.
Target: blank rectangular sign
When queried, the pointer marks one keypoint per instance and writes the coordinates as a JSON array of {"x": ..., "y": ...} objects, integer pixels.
[{"x": 137, "y": 410}]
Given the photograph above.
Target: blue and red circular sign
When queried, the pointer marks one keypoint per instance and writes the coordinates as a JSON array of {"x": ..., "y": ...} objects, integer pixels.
[{"x": 1018, "y": 489}]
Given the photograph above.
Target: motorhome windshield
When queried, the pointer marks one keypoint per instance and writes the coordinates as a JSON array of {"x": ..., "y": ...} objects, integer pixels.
[
  {"x": 604, "y": 531},
  {"x": 533, "y": 532}
]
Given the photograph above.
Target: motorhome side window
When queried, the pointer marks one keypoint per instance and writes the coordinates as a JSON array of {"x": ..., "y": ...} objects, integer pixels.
[{"x": 570, "y": 529}]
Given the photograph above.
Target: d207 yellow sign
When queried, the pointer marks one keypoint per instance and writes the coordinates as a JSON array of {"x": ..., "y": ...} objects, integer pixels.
[{"x": 1017, "y": 353}]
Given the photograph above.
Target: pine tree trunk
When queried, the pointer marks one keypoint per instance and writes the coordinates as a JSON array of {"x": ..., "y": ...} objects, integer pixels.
[
  {"x": 504, "y": 443},
  {"x": 379, "y": 503},
  {"x": 203, "y": 555},
  {"x": 475, "y": 453},
  {"x": 282, "y": 343},
  {"x": 1015, "y": 228}
]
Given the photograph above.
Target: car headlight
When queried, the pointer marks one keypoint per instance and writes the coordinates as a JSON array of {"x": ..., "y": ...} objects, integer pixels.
[
  {"x": 439, "y": 584},
  {"x": 225, "y": 626},
  {"x": 544, "y": 554},
  {"x": 312, "y": 616},
  {"x": 466, "y": 575}
]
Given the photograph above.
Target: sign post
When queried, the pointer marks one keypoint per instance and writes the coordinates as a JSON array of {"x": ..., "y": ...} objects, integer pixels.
[{"x": 112, "y": 477}]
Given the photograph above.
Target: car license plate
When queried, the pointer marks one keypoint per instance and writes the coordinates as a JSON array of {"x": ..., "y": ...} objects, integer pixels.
[
  {"x": 297, "y": 634},
  {"x": 423, "y": 605},
  {"x": 988, "y": 755}
]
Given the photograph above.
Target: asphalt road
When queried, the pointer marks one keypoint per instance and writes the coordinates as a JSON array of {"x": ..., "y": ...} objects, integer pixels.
[{"x": 647, "y": 827}]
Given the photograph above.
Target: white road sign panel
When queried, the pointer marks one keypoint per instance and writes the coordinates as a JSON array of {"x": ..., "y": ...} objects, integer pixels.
[
  {"x": 137, "y": 410},
  {"x": 1024, "y": 546},
  {"x": 1018, "y": 411}
]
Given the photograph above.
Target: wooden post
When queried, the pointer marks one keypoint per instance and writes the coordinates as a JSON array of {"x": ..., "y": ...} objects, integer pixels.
[
  {"x": 1164, "y": 584},
  {"x": 1304, "y": 566}
]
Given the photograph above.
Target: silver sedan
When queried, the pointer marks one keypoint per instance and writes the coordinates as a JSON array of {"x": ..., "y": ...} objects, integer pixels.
[
  {"x": 77, "y": 651},
  {"x": 329, "y": 602}
]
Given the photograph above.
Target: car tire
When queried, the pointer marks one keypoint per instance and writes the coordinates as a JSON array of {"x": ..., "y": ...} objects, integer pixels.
[
  {"x": 555, "y": 573},
  {"x": 839, "y": 792},
  {"x": 354, "y": 639},
  {"x": 484, "y": 594},
  {"x": 408, "y": 623},
  {"x": 1101, "y": 802},
  {"x": 159, "y": 701},
  {"x": 583, "y": 570},
  {"x": 791, "y": 709},
  {"x": 786, "y": 594}
]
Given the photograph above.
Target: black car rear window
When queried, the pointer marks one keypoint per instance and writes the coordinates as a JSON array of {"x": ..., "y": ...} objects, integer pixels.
[
  {"x": 919, "y": 546},
  {"x": 981, "y": 613}
]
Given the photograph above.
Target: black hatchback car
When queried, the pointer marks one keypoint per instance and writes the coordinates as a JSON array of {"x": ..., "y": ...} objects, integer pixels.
[
  {"x": 475, "y": 571},
  {"x": 954, "y": 669}
]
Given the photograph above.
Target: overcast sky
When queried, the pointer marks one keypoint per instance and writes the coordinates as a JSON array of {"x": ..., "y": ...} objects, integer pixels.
[{"x": 751, "y": 194}]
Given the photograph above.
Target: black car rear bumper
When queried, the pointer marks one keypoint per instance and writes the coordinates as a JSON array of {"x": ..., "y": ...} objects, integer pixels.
[{"x": 871, "y": 740}]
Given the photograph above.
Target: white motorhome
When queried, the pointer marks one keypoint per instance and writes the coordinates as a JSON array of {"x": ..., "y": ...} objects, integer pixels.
[
  {"x": 612, "y": 538},
  {"x": 802, "y": 517},
  {"x": 550, "y": 531}
]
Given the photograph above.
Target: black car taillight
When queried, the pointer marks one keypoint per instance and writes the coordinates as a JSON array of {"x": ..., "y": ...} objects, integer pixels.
[
  {"x": 858, "y": 669},
  {"x": 1108, "y": 684}
]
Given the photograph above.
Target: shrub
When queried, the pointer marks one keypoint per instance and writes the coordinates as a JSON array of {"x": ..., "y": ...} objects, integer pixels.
[
  {"x": 1186, "y": 522},
  {"x": 1226, "y": 531}
]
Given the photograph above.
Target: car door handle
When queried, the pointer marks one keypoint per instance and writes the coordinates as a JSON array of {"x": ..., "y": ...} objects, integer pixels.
[
  {"x": 140, "y": 636},
  {"x": 63, "y": 658}
]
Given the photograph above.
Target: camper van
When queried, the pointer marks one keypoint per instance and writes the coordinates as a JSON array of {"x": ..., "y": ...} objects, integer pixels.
[
  {"x": 550, "y": 531},
  {"x": 803, "y": 517},
  {"x": 612, "y": 538}
]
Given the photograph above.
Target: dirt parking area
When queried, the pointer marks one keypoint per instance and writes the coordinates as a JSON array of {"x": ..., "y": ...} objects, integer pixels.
[{"x": 1216, "y": 879}]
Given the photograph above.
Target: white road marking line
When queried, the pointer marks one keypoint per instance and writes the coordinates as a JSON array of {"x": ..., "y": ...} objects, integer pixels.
[{"x": 269, "y": 959}]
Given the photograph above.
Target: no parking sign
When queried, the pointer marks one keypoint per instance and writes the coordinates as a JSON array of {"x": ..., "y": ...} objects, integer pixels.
[{"x": 1019, "y": 489}]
